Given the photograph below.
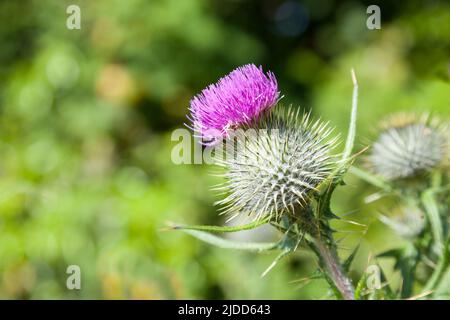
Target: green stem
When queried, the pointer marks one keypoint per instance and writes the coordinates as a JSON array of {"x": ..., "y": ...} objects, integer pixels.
[
  {"x": 430, "y": 204},
  {"x": 437, "y": 274},
  {"x": 434, "y": 218}
]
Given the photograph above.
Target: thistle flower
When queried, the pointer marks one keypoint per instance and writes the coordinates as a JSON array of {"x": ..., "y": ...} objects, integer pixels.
[
  {"x": 407, "y": 146},
  {"x": 275, "y": 169},
  {"x": 233, "y": 101}
]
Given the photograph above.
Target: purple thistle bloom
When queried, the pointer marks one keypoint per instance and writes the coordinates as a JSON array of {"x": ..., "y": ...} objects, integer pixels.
[{"x": 236, "y": 99}]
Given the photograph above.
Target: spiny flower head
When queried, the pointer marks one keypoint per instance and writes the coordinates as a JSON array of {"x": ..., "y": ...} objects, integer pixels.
[
  {"x": 233, "y": 101},
  {"x": 408, "y": 145},
  {"x": 274, "y": 171}
]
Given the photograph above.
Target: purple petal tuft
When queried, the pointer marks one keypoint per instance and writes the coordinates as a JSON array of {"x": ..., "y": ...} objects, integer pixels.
[{"x": 234, "y": 100}]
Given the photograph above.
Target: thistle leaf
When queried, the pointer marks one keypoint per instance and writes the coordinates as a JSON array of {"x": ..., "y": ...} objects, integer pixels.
[
  {"x": 283, "y": 254},
  {"x": 387, "y": 289},
  {"x": 220, "y": 229},
  {"x": 393, "y": 253},
  {"x": 347, "y": 263},
  {"x": 361, "y": 287},
  {"x": 406, "y": 260},
  {"x": 230, "y": 244},
  {"x": 352, "y": 126},
  {"x": 288, "y": 244}
]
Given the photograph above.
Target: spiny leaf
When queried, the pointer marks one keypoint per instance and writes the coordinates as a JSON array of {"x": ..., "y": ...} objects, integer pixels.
[
  {"x": 361, "y": 286},
  {"x": 347, "y": 159},
  {"x": 352, "y": 126},
  {"x": 283, "y": 254},
  {"x": 248, "y": 226},
  {"x": 347, "y": 263},
  {"x": 317, "y": 274},
  {"x": 387, "y": 289},
  {"x": 230, "y": 244},
  {"x": 406, "y": 260},
  {"x": 289, "y": 244},
  {"x": 393, "y": 253}
]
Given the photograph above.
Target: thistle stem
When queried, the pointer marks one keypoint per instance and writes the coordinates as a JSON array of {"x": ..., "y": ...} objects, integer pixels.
[
  {"x": 437, "y": 274},
  {"x": 330, "y": 262},
  {"x": 430, "y": 204}
]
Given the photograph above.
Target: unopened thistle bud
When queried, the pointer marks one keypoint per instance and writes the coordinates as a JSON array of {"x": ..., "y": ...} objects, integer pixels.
[
  {"x": 409, "y": 145},
  {"x": 276, "y": 169}
]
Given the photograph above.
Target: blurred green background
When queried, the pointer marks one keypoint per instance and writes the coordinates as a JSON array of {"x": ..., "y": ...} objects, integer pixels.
[{"x": 86, "y": 115}]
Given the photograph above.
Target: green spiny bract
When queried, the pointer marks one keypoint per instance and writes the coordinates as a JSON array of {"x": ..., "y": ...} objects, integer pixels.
[
  {"x": 274, "y": 170},
  {"x": 407, "y": 146}
]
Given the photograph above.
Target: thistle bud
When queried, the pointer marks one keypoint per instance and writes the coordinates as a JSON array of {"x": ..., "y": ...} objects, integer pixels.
[
  {"x": 409, "y": 145},
  {"x": 274, "y": 171}
]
